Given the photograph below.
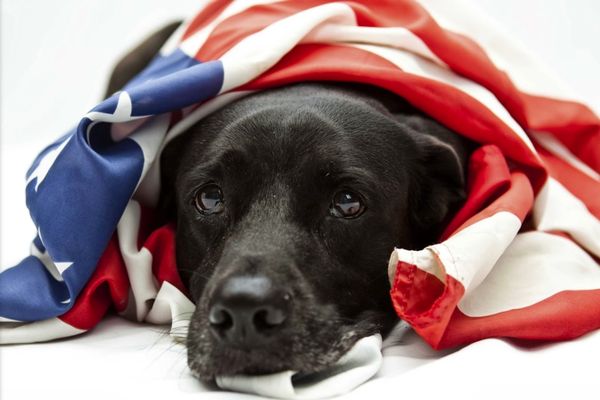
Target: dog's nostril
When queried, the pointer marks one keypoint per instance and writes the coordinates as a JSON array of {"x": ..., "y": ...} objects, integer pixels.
[
  {"x": 266, "y": 319},
  {"x": 220, "y": 318}
]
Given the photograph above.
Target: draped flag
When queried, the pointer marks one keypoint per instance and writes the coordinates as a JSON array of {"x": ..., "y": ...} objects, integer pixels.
[{"x": 519, "y": 259}]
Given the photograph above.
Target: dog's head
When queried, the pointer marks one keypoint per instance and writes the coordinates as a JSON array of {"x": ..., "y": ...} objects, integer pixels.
[{"x": 288, "y": 204}]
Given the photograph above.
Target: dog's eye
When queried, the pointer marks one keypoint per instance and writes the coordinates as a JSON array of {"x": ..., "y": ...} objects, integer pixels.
[
  {"x": 209, "y": 199},
  {"x": 346, "y": 204}
]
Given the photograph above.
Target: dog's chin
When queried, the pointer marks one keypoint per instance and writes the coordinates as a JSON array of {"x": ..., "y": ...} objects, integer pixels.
[{"x": 307, "y": 348}]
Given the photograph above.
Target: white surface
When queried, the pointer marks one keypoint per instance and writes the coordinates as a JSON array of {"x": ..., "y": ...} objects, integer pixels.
[
  {"x": 54, "y": 65},
  {"x": 125, "y": 360}
]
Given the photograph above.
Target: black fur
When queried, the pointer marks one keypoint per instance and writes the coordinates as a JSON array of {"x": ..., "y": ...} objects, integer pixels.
[{"x": 279, "y": 157}]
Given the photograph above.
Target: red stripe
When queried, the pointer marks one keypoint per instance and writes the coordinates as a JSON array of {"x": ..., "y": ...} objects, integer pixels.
[
  {"x": 491, "y": 189},
  {"x": 488, "y": 177},
  {"x": 162, "y": 246},
  {"x": 563, "y": 316},
  {"x": 424, "y": 302},
  {"x": 584, "y": 187},
  {"x": 459, "y": 52},
  {"x": 205, "y": 17},
  {"x": 431, "y": 308},
  {"x": 232, "y": 30},
  {"x": 108, "y": 285},
  {"x": 452, "y": 107},
  {"x": 573, "y": 124}
]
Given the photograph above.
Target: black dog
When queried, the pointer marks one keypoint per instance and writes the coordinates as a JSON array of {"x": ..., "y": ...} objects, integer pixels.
[{"x": 288, "y": 204}]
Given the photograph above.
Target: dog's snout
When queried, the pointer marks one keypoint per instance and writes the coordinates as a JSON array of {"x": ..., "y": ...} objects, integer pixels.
[{"x": 248, "y": 311}]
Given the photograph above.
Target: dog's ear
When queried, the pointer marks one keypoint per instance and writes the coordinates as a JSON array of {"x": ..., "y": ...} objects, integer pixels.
[
  {"x": 438, "y": 187},
  {"x": 137, "y": 59}
]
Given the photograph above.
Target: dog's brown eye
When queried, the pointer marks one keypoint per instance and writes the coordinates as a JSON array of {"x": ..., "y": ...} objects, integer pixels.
[
  {"x": 209, "y": 199},
  {"x": 346, "y": 204}
]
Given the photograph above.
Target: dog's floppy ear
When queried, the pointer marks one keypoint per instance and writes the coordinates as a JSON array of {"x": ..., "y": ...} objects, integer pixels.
[
  {"x": 438, "y": 186},
  {"x": 137, "y": 59}
]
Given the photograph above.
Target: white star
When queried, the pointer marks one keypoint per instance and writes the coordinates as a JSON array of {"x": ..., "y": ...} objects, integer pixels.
[
  {"x": 122, "y": 112},
  {"x": 62, "y": 266},
  {"x": 55, "y": 269},
  {"x": 45, "y": 164}
]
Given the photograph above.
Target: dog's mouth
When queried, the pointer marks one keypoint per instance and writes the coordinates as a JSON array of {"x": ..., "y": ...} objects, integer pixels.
[
  {"x": 310, "y": 340},
  {"x": 304, "y": 355}
]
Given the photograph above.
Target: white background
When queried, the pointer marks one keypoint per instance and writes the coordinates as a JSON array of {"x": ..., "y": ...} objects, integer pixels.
[{"x": 55, "y": 60}]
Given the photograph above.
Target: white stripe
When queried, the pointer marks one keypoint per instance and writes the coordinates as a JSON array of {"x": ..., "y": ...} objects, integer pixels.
[
  {"x": 412, "y": 64},
  {"x": 251, "y": 56},
  {"x": 172, "y": 42},
  {"x": 150, "y": 138},
  {"x": 38, "y": 331},
  {"x": 192, "y": 44},
  {"x": 396, "y": 37},
  {"x": 467, "y": 256},
  {"x": 555, "y": 147},
  {"x": 536, "y": 266},
  {"x": 171, "y": 306},
  {"x": 137, "y": 262},
  {"x": 556, "y": 209},
  {"x": 205, "y": 109},
  {"x": 505, "y": 51}
]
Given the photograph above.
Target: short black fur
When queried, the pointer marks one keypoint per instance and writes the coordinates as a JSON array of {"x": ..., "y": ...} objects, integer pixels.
[{"x": 279, "y": 156}]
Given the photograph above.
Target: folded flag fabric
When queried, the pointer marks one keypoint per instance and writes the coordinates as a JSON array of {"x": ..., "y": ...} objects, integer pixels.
[{"x": 520, "y": 259}]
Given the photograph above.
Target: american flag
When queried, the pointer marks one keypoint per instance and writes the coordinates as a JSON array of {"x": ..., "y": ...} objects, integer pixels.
[{"x": 520, "y": 259}]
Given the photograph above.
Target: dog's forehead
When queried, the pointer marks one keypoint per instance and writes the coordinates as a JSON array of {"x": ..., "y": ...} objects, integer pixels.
[
  {"x": 329, "y": 132},
  {"x": 299, "y": 134}
]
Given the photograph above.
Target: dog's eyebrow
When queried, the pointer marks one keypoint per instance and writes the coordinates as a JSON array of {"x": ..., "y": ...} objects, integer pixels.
[
  {"x": 196, "y": 176},
  {"x": 216, "y": 166},
  {"x": 348, "y": 174},
  {"x": 353, "y": 172}
]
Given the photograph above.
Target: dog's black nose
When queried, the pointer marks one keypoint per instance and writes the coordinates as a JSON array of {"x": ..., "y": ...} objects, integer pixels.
[{"x": 248, "y": 311}]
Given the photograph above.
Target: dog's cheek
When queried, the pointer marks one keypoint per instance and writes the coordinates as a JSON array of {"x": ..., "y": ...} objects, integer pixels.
[
  {"x": 195, "y": 259},
  {"x": 351, "y": 266},
  {"x": 188, "y": 255}
]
